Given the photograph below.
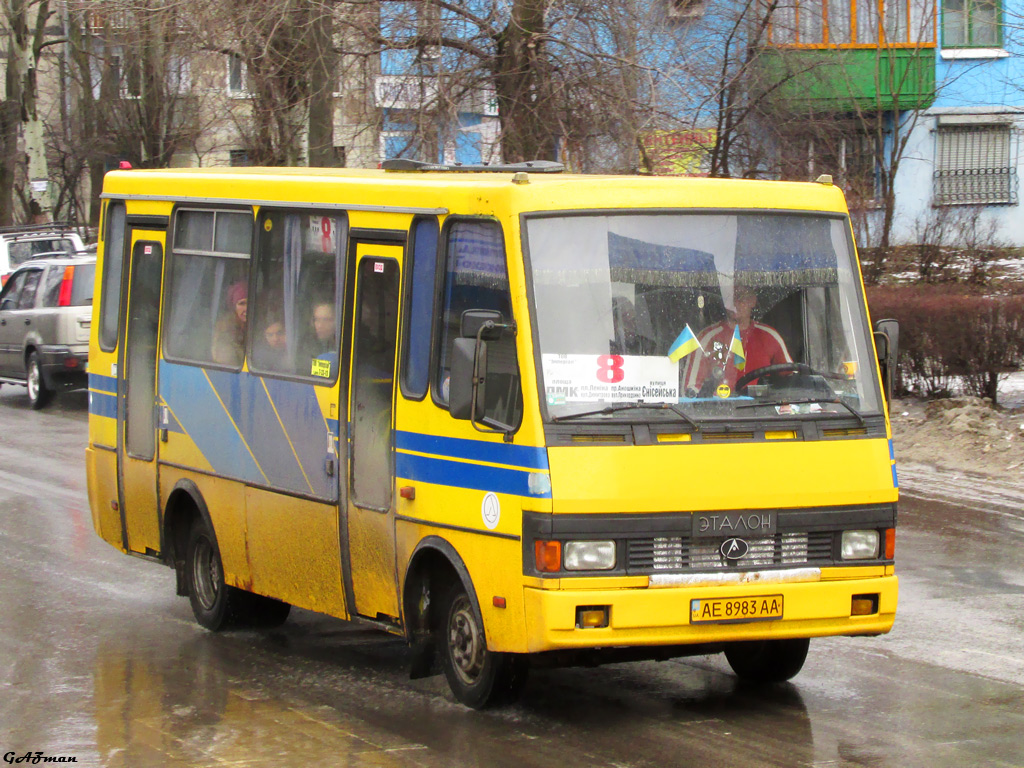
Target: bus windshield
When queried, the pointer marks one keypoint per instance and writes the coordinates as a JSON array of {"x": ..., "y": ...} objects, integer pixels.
[{"x": 699, "y": 316}]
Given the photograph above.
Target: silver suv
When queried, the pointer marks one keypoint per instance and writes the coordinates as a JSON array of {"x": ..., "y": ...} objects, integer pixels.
[
  {"x": 45, "y": 315},
  {"x": 19, "y": 244}
]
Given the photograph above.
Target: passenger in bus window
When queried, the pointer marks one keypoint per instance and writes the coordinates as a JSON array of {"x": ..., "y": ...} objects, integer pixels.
[
  {"x": 760, "y": 345},
  {"x": 229, "y": 333},
  {"x": 323, "y": 340},
  {"x": 271, "y": 349}
]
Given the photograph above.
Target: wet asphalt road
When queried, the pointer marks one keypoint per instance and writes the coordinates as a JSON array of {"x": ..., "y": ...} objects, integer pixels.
[{"x": 100, "y": 661}]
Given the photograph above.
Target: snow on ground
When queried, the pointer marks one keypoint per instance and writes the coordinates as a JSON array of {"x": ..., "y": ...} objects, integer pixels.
[{"x": 963, "y": 448}]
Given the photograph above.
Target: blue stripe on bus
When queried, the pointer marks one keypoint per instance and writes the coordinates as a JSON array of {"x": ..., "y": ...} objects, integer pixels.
[
  {"x": 187, "y": 392},
  {"x": 255, "y": 417},
  {"x": 892, "y": 460},
  {"x": 309, "y": 436},
  {"x": 478, "y": 450},
  {"x": 103, "y": 404},
  {"x": 462, "y": 475},
  {"x": 102, "y": 383},
  {"x": 278, "y": 436}
]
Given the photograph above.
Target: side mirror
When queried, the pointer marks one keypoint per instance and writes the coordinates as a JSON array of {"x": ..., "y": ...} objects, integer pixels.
[
  {"x": 475, "y": 320},
  {"x": 887, "y": 345},
  {"x": 469, "y": 368}
]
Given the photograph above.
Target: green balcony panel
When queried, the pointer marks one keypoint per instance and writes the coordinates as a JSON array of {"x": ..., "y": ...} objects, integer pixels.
[{"x": 844, "y": 79}]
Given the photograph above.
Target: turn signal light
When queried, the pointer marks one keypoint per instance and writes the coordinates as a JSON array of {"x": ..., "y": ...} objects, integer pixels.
[
  {"x": 890, "y": 543},
  {"x": 548, "y": 555},
  {"x": 864, "y": 605},
  {"x": 592, "y": 617}
]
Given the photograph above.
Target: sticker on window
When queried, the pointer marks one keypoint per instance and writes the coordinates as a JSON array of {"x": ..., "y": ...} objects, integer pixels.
[
  {"x": 596, "y": 378},
  {"x": 321, "y": 368},
  {"x": 378, "y": 266}
]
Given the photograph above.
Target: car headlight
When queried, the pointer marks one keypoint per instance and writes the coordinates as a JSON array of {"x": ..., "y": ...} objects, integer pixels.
[
  {"x": 588, "y": 555},
  {"x": 859, "y": 545}
]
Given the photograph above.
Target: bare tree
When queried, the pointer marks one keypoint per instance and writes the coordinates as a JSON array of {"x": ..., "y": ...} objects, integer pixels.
[{"x": 26, "y": 21}]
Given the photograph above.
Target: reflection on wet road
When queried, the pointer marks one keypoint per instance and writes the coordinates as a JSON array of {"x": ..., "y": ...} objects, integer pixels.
[{"x": 99, "y": 660}]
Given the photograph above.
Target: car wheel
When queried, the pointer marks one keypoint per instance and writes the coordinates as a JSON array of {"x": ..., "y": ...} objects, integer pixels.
[
  {"x": 38, "y": 394},
  {"x": 478, "y": 677},
  {"x": 767, "y": 661}
]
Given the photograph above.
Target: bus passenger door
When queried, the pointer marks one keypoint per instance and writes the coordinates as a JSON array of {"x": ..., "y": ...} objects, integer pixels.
[
  {"x": 371, "y": 515},
  {"x": 136, "y": 402}
]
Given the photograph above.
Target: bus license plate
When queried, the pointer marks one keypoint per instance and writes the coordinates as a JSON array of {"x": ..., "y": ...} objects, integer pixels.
[{"x": 729, "y": 609}]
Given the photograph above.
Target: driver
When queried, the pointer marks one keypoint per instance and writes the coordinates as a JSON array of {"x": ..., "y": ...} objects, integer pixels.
[{"x": 762, "y": 345}]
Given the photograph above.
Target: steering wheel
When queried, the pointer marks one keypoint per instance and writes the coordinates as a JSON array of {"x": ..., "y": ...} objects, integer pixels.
[{"x": 767, "y": 370}]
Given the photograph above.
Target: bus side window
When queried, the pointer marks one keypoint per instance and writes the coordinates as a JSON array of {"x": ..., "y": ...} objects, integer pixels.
[
  {"x": 419, "y": 319},
  {"x": 476, "y": 277},
  {"x": 208, "y": 294},
  {"x": 113, "y": 260},
  {"x": 296, "y": 320}
]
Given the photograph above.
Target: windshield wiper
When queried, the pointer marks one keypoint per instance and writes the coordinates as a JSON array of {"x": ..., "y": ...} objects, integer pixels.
[
  {"x": 674, "y": 407},
  {"x": 807, "y": 401}
]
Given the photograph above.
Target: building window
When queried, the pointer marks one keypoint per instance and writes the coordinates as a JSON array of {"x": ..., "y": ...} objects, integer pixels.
[
  {"x": 237, "y": 76},
  {"x": 179, "y": 75},
  {"x": 970, "y": 24},
  {"x": 974, "y": 165},
  {"x": 685, "y": 9},
  {"x": 239, "y": 158},
  {"x": 838, "y": 23},
  {"x": 127, "y": 73}
]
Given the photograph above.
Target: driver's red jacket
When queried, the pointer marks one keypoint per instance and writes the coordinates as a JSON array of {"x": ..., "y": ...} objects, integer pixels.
[{"x": 762, "y": 345}]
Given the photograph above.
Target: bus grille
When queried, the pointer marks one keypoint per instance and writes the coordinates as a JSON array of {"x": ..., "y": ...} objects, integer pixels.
[{"x": 678, "y": 553}]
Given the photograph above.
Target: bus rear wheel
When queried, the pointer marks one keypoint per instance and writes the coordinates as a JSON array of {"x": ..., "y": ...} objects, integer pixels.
[
  {"x": 215, "y": 604},
  {"x": 478, "y": 677},
  {"x": 767, "y": 661}
]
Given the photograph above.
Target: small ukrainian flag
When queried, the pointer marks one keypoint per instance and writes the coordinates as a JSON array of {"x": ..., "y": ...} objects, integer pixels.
[
  {"x": 684, "y": 344},
  {"x": 736, "y": 347}
]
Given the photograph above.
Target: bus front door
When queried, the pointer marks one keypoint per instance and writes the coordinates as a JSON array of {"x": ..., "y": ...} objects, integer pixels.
[
  {"x": 136, "y": 402},
  {"x": 370, "y": 507}
]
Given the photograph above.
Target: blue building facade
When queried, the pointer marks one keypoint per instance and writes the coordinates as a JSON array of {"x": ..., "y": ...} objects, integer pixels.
[
  {"x": 945, "y": 76},
  {"x": 432, "y": 106},
  {"x": 963, "y": 156}
]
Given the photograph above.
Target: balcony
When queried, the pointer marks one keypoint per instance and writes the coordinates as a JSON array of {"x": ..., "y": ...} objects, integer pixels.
[{"x": 846, "y": 55}]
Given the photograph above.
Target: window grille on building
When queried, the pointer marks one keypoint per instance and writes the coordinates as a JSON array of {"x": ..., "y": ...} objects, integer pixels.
[
  {"x": 974, "y": 164},
  {"x": 846, "y": 150}
]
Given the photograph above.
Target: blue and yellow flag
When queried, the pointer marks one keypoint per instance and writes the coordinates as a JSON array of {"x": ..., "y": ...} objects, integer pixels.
[
  {"x": 684, "y": 344},
  {"x": 736, "y": 347}
]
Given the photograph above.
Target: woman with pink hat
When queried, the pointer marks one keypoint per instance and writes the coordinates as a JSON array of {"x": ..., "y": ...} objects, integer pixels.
[{"x": 229, "y": 333}]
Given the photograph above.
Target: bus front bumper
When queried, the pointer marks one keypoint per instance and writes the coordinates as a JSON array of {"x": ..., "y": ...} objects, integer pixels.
[{"x": 662, "y": 615}]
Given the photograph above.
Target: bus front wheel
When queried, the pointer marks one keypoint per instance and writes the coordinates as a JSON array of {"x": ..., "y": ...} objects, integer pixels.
[
  {"x": 478, "y": 677},
  {"x": 767, "y": 661}
]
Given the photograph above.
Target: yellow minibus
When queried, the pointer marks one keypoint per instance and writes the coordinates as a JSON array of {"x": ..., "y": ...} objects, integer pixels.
[{"x": 519, "y": 417}]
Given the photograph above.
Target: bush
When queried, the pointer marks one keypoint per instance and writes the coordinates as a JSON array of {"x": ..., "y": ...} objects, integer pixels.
[{"x": 949, "y": 336}]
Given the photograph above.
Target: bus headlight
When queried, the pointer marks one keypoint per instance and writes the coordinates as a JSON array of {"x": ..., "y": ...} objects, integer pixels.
[
  {"x": 859, "y": 545},
  {"x": 588, "y": 555}
]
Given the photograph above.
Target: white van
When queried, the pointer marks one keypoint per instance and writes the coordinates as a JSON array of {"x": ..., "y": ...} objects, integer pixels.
[{"x": 19, "y": 244}]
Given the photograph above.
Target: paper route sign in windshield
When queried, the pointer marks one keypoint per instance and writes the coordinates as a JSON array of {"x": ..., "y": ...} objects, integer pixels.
[{"x": 609, "y": 378}]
